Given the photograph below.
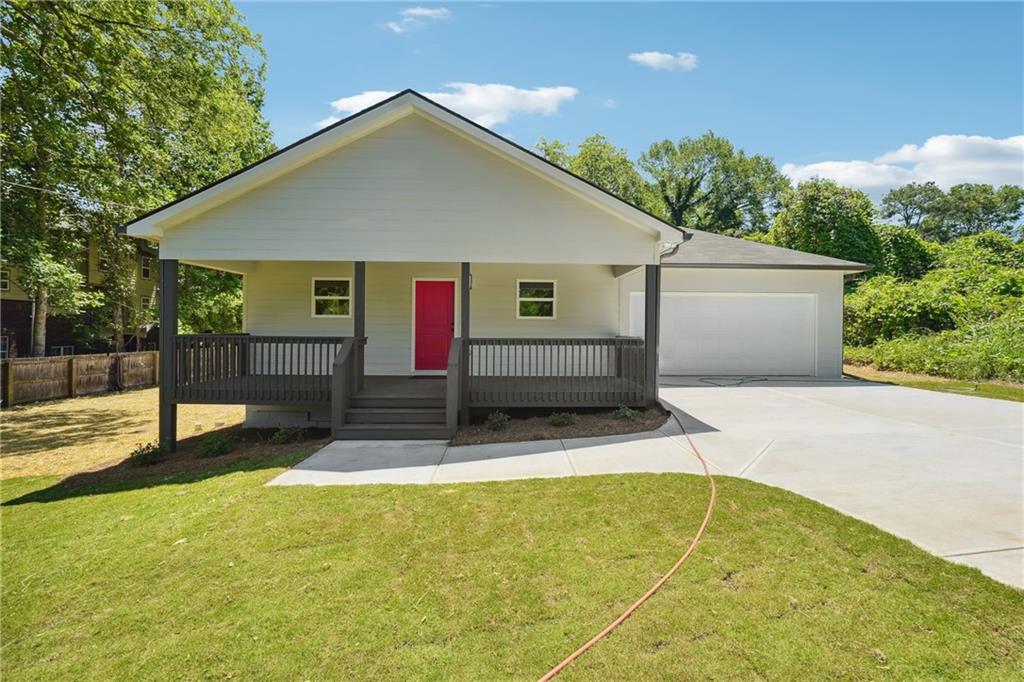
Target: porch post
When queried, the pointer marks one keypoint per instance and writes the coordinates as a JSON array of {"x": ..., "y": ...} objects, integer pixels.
[
  {"x": 360, "y": 299},
  {"x": 652, "y": 330},
  {"x": 465, "y": 279},
  {"x": 168, "y": 372},
  {"x": 359, "y": 323}
]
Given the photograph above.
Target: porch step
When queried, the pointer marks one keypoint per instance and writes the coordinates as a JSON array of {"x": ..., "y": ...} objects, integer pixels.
[
  {"x": 395, "y": 402},
  {"x": 395, "y": 415},
  {"x": 392, "y": 432}
]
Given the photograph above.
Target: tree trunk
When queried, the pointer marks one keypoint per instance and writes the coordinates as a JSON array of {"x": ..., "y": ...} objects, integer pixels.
[
  {"x": 39, "y": 317},
  {"x": 118, "y": 328}
]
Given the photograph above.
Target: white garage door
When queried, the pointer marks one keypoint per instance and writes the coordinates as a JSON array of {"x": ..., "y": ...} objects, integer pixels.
[{"x": 733, "y": 333}]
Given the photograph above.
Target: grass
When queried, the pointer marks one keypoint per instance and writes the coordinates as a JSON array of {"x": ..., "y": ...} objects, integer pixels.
[
  {"x": 207, "y": 573},
  {"x": 1001, "y": 390},
  {"x": 62, "y": 437}
]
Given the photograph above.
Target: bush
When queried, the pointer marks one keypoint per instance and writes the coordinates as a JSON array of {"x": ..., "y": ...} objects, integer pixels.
[
  {"x": 905, "y": 254},
  {"x": 497, "y": 421},
  {"x": 562, "y": 418},
  {"x": 625, "y": 413},
  {"x": 215, "y": 445},
  {"x": 985, "y": 350},
  {"x": 288, "y": 434},
  {"x": 147, "y": 454}
]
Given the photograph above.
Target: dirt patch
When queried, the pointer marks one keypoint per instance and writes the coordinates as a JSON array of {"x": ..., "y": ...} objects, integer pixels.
[
  {"x": 539, "y": 428},
  {"x": 62, "y": 437}
]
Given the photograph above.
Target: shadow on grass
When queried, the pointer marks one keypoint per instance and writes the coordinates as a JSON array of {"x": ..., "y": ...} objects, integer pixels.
[{"x": 253, "y": 451}]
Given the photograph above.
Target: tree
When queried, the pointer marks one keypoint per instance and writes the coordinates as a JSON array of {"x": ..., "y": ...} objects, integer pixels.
[
  {"x": 210, "y": 300},
  {"x": 114, "y": 107},
  {"x": 602, "y": 163},
  {"x": 975, "y": 208},
  {"x": 822, "y": 217},
  {"x": 706, "y": 183},
  {"x": 913, "y": 203}
]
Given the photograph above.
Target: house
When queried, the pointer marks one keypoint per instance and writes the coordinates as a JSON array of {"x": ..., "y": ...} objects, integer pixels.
[
  {"x": 62, "y": 337},
  {"x": 406, "y": 265}
]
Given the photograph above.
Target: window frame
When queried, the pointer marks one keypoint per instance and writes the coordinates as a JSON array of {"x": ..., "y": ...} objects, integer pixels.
[
  {"x": 146, "y": 267},
  {"x": 5, "y": 347},
  {"x": 313, "y": 298},
  {"x": 5, "y": 279},
  {"x": 553, "y": 299},
  {"x": 145, "y": 302}
]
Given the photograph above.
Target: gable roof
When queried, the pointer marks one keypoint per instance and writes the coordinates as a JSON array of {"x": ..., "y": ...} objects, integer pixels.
[
  {"x": 709, "y": 250},
  {"x": 364, "y": 122}
]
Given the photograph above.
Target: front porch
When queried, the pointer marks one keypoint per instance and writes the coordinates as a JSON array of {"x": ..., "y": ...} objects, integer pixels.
[{"x": 325, "y": 378}]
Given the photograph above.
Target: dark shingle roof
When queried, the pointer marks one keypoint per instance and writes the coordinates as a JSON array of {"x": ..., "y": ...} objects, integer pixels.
[{"x": 709, "y": 250}]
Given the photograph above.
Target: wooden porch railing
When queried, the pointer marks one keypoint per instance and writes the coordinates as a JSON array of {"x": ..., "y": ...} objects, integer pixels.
[
  {"x": 453, "y": 386},
  {"x": 237, "y": 368},
  {"x": 346, "y": 378},
  {"x": 578, "y": 372}
]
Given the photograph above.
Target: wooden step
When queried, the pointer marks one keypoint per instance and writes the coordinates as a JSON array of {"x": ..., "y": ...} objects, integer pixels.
[
  {"x": 392, "y": 432},
  {"x": 395, "y": 415},
  {"x": 394, "y": 402}
]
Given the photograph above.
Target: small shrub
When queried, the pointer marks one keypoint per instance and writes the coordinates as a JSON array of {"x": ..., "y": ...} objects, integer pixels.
[
  {"x": 497, "y": 421},
  {"x": 288, "y": 434},
  {"x": 562, "y": 418},
  {"x": 147, "y": 454},
  {"x": 625, "y": 413},
  {"x": 215, "y": 445}
]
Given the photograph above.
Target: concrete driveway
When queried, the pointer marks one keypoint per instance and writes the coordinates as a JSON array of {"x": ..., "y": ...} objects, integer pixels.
[{"x": 943, "y": 470}]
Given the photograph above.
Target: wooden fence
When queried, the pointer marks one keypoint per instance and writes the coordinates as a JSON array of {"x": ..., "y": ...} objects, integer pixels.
[{"x": 26, "y": 380}]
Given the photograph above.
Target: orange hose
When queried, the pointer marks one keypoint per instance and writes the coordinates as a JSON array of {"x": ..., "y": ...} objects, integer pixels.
[{"x": 657, "y": 586}]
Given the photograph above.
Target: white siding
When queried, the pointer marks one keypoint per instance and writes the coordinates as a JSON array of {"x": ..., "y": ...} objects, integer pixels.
[
  {"x": 277, "y": 301},
  {"x": 412, "y": 191},
  {"x": 825, "y": 286}
]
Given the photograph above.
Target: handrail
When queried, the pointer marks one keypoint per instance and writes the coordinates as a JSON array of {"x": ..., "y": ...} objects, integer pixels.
[
  {"x": 342, "y": 381},
  {"x": 453, "y": 387}
]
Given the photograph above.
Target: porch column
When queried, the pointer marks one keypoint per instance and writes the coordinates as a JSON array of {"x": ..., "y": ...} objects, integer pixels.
[
  {"x": 359, "y": 327},
  {"x": 168, "y": 372},
  {"x": 359, "y": 322},
  {"x": 465, "y": 281},
  {"x": 652, "y": 330}
]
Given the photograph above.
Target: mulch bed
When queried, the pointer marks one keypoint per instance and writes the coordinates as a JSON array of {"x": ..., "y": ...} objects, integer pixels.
[{"x": 539, "y": 428}]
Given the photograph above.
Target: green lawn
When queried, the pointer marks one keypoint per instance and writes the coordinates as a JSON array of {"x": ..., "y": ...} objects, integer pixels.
[
  {"x": 1001, "y": 390},
  {"x": 212, "y": 575}
]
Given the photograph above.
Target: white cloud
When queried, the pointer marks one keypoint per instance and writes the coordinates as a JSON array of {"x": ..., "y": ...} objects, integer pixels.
[
  {"x": 663, "y": 61},
  {"x": 324, "y": 122},
  {"x": 943, "y": 159},
  {"x": 487, "y": 104},
  {"x": 418, "y": 17}
]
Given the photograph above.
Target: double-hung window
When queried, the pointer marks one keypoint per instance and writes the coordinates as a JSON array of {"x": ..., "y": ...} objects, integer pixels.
[
  {"x": 147, "y": 267},
  {"x": 5, "y": 279},
  {"x": 332, "y": 297},
  {"x": 535, "y": 299}
]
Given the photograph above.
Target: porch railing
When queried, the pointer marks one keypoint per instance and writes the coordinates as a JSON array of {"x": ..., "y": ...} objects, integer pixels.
[
  {"x": 581, "y": 372},
  {"x": 454, "y": 385},
  {"x": 237, "y": 368}
]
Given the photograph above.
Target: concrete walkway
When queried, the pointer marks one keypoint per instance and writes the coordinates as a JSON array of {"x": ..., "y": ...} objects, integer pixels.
[
  {"x": 432, "y": 461},
  {"x": 942, "y": 470}
]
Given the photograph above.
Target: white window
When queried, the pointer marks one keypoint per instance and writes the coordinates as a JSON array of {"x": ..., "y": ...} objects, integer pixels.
[
  {"x": 5, "y": 279},
  {"x": 103, "y": 261},
  {"x": 62, "y": 350},
  {"x": 147, "y": 267},
  {"x": 535, "y": 299},
  {"x": 146, "y": 302},
  {"x": 332, "y": 297},
  {"x": 5, "y": 346}
]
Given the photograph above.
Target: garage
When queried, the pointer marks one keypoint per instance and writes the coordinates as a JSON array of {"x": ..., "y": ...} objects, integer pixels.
[
  {"x": 733, "y": 307},
  {"x": 733, "y": 333}
]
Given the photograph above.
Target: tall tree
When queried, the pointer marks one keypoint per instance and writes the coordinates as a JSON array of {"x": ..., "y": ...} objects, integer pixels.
[
  {"x": 113, "y": 107},
  {"x": 913, "y": 203},
  {"x": 975, "y": 208},
  {"x": 822, "y": 217},
  {"x": 706, "y": 183},
  {"x": 602, "y": 163}
]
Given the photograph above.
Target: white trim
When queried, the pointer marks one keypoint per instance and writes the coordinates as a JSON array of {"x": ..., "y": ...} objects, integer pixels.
[
  {"x": 143, "y": 267},
  {"x": 456, "y": 300},
  {"x": 313, "y": 297},
  {"x": 5, "y": 279},
  {"x": 553, "y": 299}
]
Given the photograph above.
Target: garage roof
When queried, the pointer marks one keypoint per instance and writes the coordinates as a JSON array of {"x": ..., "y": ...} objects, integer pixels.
[{"x": 708, "y": 250}]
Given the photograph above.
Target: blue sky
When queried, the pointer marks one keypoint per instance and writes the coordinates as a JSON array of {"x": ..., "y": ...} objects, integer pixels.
[{"x": 871, "y": 94}]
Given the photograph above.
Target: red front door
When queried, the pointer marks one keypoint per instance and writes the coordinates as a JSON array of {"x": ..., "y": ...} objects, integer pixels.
[{"x": 435, "y": 323}]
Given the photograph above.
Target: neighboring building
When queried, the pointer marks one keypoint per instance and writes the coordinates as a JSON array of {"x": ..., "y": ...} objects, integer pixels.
[
  {"x": 62, "y": 338},
  {"x": 407, "y": 242}
]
